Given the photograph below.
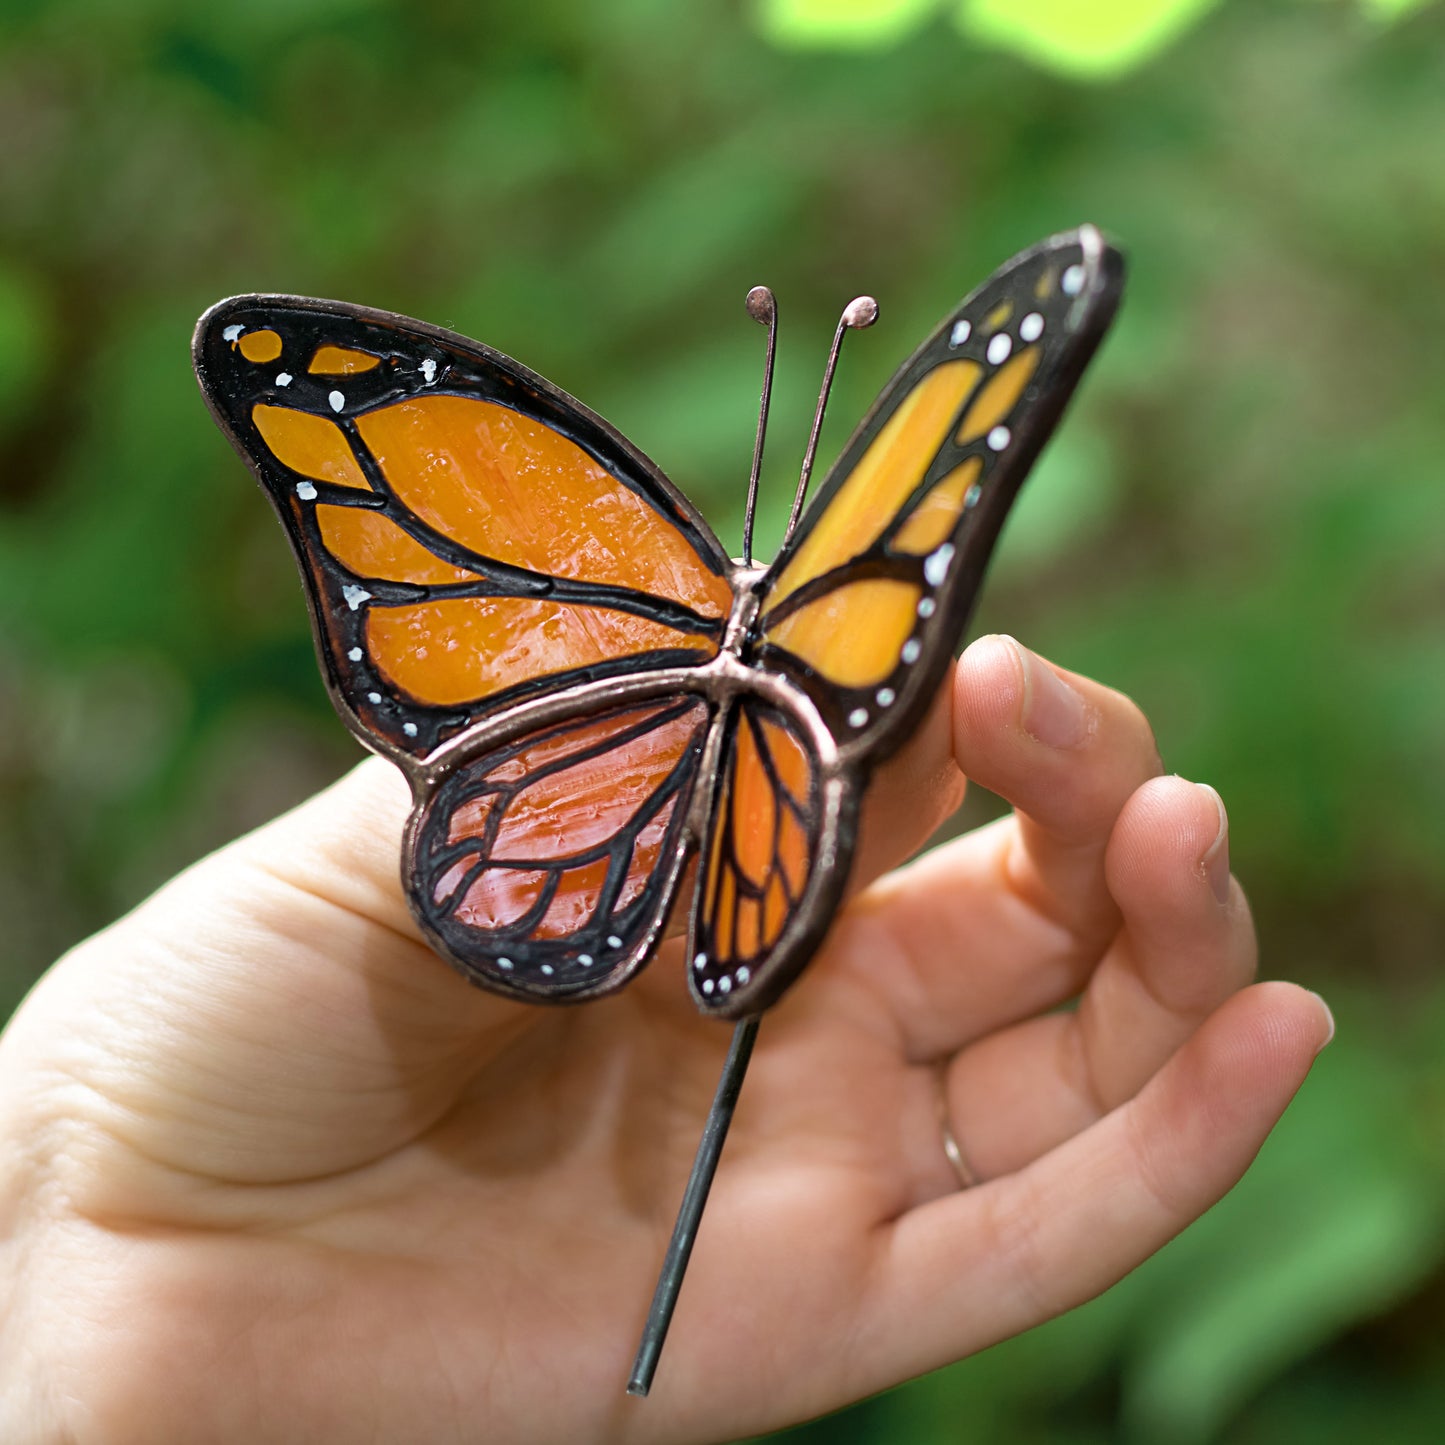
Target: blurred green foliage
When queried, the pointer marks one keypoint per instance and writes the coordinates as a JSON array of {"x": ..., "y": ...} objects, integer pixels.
[{"x": 1239, "y": 523}]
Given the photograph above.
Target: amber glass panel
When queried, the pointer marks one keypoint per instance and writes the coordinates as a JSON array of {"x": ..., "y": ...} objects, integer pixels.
[
  {"x": 789, "y": 760},
  {"x": 510, "y": 488},
  {"x": 311, "y": 445},
  {"x": 260, "y": 346},
  {"x": 775, "y": 912},
  {"x": 852, "y": 635},
  {"x": 500, "y": 896},
  {"x": 465, "y": 648},
  {"x": 371, "y": 545},
  {"x": 750, "y": 928},
  {"x": 574, "y": 902},
  {"x": 341, "y": 361},
  {"x": 991, "y": 322},
  {"x": 935, "y": 517},
  {"x": 887, "y": 473},
  {"x": 793, "y": 853},
  {"x": 755, "y": 809},
  {"x": 646, "y": 854},
  {"x": 723, "y": 915},
  {"x": 998, "y": 396}
]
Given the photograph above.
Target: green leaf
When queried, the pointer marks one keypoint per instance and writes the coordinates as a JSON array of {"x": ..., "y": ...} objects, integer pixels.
[
  {"x": 1086, "y": 41},
  {"x": 848, "y": 24},
  {"x": 1391, "y": 10}
]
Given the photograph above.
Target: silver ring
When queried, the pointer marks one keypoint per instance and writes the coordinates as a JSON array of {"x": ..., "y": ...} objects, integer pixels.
[{"x": 951, "y": 1151}]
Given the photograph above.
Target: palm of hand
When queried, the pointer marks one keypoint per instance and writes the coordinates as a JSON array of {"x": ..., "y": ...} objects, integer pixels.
[{"x": 303, "y": 1181}]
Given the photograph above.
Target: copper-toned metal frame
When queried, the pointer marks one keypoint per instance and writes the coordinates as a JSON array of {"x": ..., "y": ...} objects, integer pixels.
[{"x": 843, "y": 756}]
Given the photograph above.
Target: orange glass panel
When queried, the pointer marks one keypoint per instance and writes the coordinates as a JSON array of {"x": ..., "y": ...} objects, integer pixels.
[
  {"x": 341, "y": 361},
  {"x": 464, "y": 648},
  {"x": 998, "y": 396},
  {"x": 886, "y": 474},
  {"x": 935, "y": 517},
  {"x": 793, "y": 853},
  {"x": 499, "y": 897},
  {"x": 448, "y": 883},
  {"x": 511, "y": 488},
  {"x": 470, "y": 819},
  {"x": 852, "y": 635},
  {"x": 775, "y": 912},
  {"x": 646, "y": 854},
  {"x": 723, "y": 915},
  {"x": 790, "y": 762},
  {"x": 311, "y": 445},
  {"x": 755, "y": 809},
  {"x": 750, "y": 928},
  {"x": 574, "y": 902},
  {"x": 585, "y": 804},
  {"x": 991, "y": 322},
  {"x": 371, "y": 545},
  {"x": 260, "y": 346}
]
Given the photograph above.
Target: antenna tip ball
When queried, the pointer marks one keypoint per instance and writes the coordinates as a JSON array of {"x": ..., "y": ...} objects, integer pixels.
[
  {"x": 860, "y": 312},
  {"x": 761, "y": 304}
]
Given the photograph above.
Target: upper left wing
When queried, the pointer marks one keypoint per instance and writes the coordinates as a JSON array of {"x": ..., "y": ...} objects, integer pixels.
[{"x": 468, "y": 534}]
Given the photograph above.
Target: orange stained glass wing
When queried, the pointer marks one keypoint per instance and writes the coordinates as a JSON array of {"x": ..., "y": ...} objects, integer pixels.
[
  {"x": 854, "y": 634},
  {"x": 759, "y": 853},
  {"x": 885, "y": 476},
  {"x": 552, "y": 859},
  {"x": 510, "y": 488},
  {"x": 465, "y": 649}
]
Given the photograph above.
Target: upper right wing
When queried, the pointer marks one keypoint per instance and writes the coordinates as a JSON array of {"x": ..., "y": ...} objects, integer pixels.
[{"x": 866, "y": 602}]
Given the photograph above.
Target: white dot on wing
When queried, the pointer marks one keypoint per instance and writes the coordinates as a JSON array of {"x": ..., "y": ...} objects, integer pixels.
[
  {"x": 857, "y": 717},
  {"x": 409, "y": 729},
  {"x": 707, "y": 985},
  {"x": 927, "y": 607},
  {"x": 935, "y": 565},
  {"x": 355, "y": 654},
  {"x": 283, "y": 378},
  {"x": 355, "y": 596},
  {"x": 337, "y": 400},
  {"x": 504, "y": 963},
  {"x": 585, "y": 959},
  {"x": 700, "y": 962},
  {"x": 743, "y": 976},
  {"x": 999, "y": 348},
  {"x": 998, "y": 438},
  {"x": 373, "y": 697},
  {"x": 306, "y": 491},
  {"x": 725, "y": 984},
  {"x": 960, "y": 333},
  {"x": 613, "y": 941},
  {"x": 232, "y": 333},
  {"x": 885, "y": 696},
  {"x": 970, "y": 500},
  {"x": 911, "y": 649},
  {"x": 1073, "y": 281},
  {"x": 1031, "y": 327}
]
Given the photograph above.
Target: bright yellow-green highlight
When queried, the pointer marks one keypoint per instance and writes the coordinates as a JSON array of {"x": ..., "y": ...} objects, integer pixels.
[{"x": 1088, "y": 39}]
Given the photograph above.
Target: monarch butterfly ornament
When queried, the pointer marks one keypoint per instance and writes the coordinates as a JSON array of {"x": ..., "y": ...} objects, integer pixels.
[{"x": 518, "y": 608}]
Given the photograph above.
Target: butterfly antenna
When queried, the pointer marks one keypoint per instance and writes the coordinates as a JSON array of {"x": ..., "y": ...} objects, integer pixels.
[
  {"x": 860, "y": 312},
  {"x": 762, "y": 307},
  {"x": 699, "y": 1182}
]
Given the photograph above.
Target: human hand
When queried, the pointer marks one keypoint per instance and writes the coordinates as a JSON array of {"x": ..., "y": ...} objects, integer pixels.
[{"x": 273, "y": 1172}]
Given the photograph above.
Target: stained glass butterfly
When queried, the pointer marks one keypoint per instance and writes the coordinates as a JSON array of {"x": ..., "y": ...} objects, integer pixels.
[{"x": 517, "y": 607}]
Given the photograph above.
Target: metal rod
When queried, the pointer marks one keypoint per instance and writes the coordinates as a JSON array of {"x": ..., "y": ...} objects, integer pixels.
[
  {"x": 861, "y": 311},
  {"x": 763, "y": 307},
  {"x": 694, "y": 1198}
]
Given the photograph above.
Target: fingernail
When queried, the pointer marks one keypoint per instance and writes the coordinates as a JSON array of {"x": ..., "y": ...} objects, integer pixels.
[
  {"x": 1216, "y": 858},
  {"x": 1053, "y": 713},
  {"x": 1330, "y": 1020}
]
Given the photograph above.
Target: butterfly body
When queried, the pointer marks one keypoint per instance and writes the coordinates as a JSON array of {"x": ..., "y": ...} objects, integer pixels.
[{"x": 585, "y": 692}]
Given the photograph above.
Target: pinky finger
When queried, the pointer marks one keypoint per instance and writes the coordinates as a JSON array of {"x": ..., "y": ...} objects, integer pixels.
[{"x": 965, "y": 1271}]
